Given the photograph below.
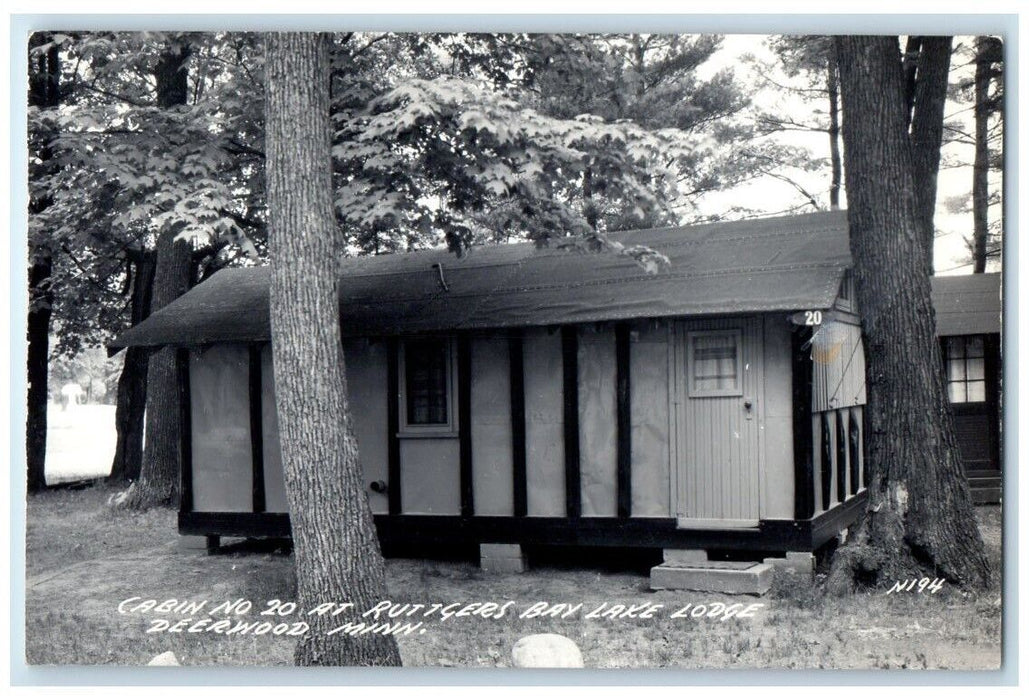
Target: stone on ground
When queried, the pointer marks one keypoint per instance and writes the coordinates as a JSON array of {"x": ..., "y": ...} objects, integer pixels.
[
  {"x": 165, "y": 659},
  {"x": 546, "y": 651}
]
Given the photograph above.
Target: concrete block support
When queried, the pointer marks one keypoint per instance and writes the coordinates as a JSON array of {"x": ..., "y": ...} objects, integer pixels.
[
  {"x": 795, "y": 564},
  {"x": 501, "y": 558},
  {"x": 192, "y": 543}
]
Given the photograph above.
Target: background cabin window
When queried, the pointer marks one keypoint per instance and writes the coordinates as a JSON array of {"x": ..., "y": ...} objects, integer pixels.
[
  {"x": 966, "y": 369},
  {"x": 715, "y": 363},
  {"x": 426, "y": 384}
]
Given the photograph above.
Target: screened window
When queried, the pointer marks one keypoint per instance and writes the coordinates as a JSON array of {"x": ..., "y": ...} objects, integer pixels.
[
  {"x": 715, "y": 363},
  {"x": 966, "y": 369},
  {"x": 426, "y": 377}
]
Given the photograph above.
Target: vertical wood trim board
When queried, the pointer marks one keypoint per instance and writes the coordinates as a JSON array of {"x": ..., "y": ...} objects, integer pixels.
[
  {"x": 803, "y": 465},
  {"x": 464, "y": 419},
  {"x": 185, "y": 433},
  {"x": 393, "y": 427},
  {"x": 256, "y": 431},
  {"x": 570, "y": 385},
  {"x": 518, "y": 458},
  {"x": 624, "y": 408},
  {"x": 992, "y": 365},
  {"x": 842, "y": 418}
]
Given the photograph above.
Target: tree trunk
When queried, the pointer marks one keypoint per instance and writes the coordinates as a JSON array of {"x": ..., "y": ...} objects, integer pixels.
[
  {"x": 158, "y": 483},
  {"x": 44, "y": 93},
  {"x": 589, "y": 206},
  {"x": 337, "y": 552},
  {"x": 981, "y": 168},
  {"x": 128, "y": 417},
  {"x": 40, "y": 305},
  {"x": 832, "y": 84},
  {"x": 919, "y": 518},
  {"x": 930, "y": 97}
]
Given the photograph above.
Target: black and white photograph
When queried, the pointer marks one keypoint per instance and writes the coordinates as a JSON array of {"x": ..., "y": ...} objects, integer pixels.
[{"x": 481, "y": 349}]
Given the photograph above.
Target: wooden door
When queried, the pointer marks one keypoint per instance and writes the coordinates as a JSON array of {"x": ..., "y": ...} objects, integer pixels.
[{"x": 719, "y": 417}]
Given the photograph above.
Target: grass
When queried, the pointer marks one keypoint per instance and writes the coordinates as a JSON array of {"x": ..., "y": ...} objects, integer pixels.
[{"x": 83, "y": 558}]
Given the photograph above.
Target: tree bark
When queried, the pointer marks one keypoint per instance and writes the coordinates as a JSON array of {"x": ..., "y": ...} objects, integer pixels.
[
  {"x": 131, "y": 403},
  {"x": 589, "y": 206},
  {"x": 981, "y": 167},
  {"x": 930, "y": 97},
  {"x": 832, "y": 84},
  {"x": 44, "y": 93},
  {"x": 919, "y": 518},
  {"x": 335, "y": 545},
  {"x": 158, "y": 483},
  {"x": 38, "y": 336}
]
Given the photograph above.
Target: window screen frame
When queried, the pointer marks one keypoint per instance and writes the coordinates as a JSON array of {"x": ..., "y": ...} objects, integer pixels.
[
  {"x": 965, "y": 381},
  {"x": 693, "y": 390},
  {"x": 431, "y": 430},
  {"x": 845, "y": 294}
]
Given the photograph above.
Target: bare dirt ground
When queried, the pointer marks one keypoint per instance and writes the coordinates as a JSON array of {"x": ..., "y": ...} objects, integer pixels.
[{"x": 83, "y": 560}]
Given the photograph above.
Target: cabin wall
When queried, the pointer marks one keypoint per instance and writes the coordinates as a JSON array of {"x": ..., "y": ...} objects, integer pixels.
[
  {"x": 777, "y": 473},
  {"x": 366, "y": 388},
  {"x": 430, "y": 476},
  {"x": 220, "y": 421},
  {"x": 649, "y": 357},
  {"x": 366, "y": 373},
  {"x": 598, "y": 427},
  {"x": 492, "y": 468},
  {"x": 839, "y": 366},
  {"x": 430, "y": 465},
  {"x": 544, "y": 423},
  {"x": 274, "y": 483}
]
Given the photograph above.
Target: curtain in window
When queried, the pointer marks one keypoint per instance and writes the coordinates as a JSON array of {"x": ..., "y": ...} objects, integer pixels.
[
  {"x": 966, "y": 369},
  {"x": 714, "y": 362},
  {"x": 425, "y": 363}
]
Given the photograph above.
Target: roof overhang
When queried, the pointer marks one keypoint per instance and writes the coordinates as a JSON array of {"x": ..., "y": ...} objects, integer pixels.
[{"x": 760, "y": 265}]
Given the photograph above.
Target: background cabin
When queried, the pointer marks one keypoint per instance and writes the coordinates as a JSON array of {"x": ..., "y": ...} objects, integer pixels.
[
  {"x": 537, "y": 396},
  {"x": 968, "y": 322}
]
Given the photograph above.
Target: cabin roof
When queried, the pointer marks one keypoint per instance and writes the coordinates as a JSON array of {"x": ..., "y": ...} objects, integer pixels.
[
  {"x": 967, "y": 304},
  {"x": 774, "y": 264}
]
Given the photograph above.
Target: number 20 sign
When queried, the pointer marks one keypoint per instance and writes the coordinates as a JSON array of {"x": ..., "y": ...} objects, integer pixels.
[{"x": 807, "y": 318}]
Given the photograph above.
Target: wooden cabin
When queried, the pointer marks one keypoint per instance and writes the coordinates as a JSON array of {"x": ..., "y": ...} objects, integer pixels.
[
  {"x": 968, "y": 322},
  {"x": 538, "y": 396}
]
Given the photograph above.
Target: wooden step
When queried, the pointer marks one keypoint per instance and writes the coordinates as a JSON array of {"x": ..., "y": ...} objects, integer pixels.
[
  {"x": 986, "y": 496},
  {"x": 713, "y": 577}
]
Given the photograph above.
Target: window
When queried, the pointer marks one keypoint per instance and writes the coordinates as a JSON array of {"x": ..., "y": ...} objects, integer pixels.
[
  {"x": 426, "y": 386},
  {"x": 845, "y": 297},
  {"x": 966, "y": 368},
  {"x": 715, "y": 363}
]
